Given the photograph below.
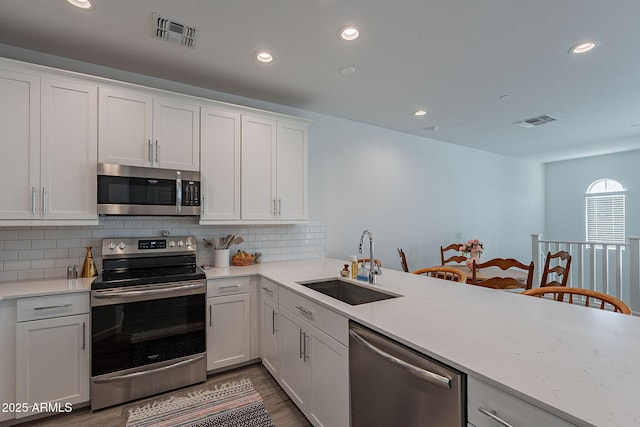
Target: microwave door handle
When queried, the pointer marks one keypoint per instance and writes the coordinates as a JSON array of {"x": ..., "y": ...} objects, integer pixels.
[{"x": 178, "y": 193}]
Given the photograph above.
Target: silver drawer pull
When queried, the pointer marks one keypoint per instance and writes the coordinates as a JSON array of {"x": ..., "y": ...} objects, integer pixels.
[
  {"x": 229, "y": 286},
  {"x": 51, "y": 307},
  {"x": 267, "y": 290},
  {"x": 305, "y": 311},
  {"x": 492, "y": 414}
]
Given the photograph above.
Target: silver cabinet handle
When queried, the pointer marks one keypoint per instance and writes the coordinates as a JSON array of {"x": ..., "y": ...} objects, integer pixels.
[
  {"x": 149, "y": 149},
  {"x": 267, "y": 290},
  {"x": 229, "y": 287},
  {"x": 44, "y": 200},
  {"x": 300, "y": 342},
  {"x": 273, "y": 322},
  {"x": 157, "y": 152},
  {"x": 305, "y": 356},
  {"x": 429, "y": 376},
  {"x": 145, "y": 373},
  {"x": 305, "y": 311},
  {"x": 279, "y": 206},
  {"x": 51, "y": 307},
  {"x": 84, "y": 335},
  {"x": 210, "y": 315},
  {"x": 275, "y": 211},
  {"x": 492, "y": 414},
  {"x": 33, "y": 200}
]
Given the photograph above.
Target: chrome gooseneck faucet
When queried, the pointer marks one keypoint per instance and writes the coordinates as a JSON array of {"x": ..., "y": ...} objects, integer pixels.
[{"x": 374, "y": 270}]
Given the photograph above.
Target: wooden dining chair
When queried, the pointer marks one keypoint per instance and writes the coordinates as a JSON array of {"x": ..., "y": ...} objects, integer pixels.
[
  {"x": 499, "y": 282},
  {"x": 403, "y": 260},
  {"x": 459, "y": 259},
  {"x": 560, "y": 270},
  {"x": 445, "y": 273},
  {"x": 581, "y": 296}
]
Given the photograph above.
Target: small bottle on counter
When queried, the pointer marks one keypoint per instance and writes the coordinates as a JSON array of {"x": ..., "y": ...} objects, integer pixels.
[
  {"x": 362, "y": 273},
  {"x": 345, "y": 271},
  {"x": 354, "y": 266}
]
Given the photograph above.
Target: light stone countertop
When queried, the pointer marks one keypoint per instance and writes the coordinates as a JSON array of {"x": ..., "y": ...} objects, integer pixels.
[{"x": 578, "y": 363}]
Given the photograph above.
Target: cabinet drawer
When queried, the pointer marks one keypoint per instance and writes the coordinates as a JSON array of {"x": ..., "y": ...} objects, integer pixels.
[
  {"x": 45, "y": 307},
  {"x": 512, "y": 410},
  {"x": 269, "y": 290},
  {"x": 230, "y": 286},
  {"x": 330, "y": 322}
]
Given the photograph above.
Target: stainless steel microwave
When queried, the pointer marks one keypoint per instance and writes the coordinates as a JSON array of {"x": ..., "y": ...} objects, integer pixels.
[{"x": 131, "y": 190}]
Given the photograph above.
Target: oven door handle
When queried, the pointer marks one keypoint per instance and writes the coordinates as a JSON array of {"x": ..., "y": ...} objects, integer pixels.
[
  {"x": 145, "y": 373},
  {"x": 146, "y": 292}
]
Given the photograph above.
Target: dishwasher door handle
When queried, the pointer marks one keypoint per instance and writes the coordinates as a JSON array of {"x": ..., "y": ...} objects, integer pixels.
[{"x": 432, "y": 377}]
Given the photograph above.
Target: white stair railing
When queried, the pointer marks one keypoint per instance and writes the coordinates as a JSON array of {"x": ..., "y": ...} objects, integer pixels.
[{"x": 610, "y": 268}]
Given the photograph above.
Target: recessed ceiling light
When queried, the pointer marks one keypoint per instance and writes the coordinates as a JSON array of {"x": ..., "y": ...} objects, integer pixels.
[
  {"x": 349, "y": 33},
  {"x": 420, "y": 113},
  {"x": 583, "y": 47},
  {"x": 264, "y": 56},
  {"x": 347, "y": 71},
  {"x": 84, "y": 4}
]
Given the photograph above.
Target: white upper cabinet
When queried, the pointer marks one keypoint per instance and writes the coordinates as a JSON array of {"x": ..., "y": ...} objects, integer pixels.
[
  {"x": 219, "y": 165},
  {"x": 274, "y": 170},
  {"x": 140, "y": 129},
  {"x": 49, "y": 151}
]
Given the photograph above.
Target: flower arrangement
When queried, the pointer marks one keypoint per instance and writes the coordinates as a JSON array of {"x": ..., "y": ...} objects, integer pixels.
[{"x": 472, "y": 247}]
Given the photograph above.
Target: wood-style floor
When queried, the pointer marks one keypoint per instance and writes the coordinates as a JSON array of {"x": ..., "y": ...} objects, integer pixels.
[{"x": 282, "y": 410}]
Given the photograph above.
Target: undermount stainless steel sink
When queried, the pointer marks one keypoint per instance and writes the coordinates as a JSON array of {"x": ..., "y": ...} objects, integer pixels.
[{"x": 347, "y": 292}]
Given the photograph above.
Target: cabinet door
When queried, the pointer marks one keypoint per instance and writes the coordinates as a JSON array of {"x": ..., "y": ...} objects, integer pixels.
[
  {"x": 52, "y": 361},
  {"x": 269, "y": 335},
  {"x": 69, "y": 143},
  {"x": 229, "y": 333},
  {"x": 7, "y": 355},
  {"x": 124, "y": 123},
  {"x": 294, "y": 372},
  {"x": 292, "y": 172},
  {"x": 176, "y": 134},
  {"x": 220, "y": 165},
  {"x": 258, "y": 168},
  {"x": 20, "y": 152},
  {"x": 329, "y": 366}
]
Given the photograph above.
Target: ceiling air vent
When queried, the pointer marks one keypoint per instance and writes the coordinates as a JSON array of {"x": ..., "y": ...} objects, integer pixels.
[
  {"x": 535, "y": 121},
  {"x": 170, "y": 30}
]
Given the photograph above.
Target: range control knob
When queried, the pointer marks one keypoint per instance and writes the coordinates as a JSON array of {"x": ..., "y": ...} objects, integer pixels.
[
  {"x": 180, "y": 243},
  {"x": 112, "y": 246},
  {"x": 121, "y": 245},
  {"x": 188, "y": 243},
  {"x": 172, "y": 244}
]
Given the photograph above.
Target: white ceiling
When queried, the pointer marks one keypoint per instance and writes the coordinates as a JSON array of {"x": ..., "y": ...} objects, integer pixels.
[{"x": 454, "y": 58}]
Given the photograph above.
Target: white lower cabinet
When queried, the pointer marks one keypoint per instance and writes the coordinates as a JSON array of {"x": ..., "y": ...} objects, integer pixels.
[
  {"x": 489, "y": 407},
  {"x": 314, "y": 371},
  {"x": 7, "y": 358},
  {"x": 229, "y": 327},
  {"x": 52, "y": 353},
  {"x": 269, "y": 329}
]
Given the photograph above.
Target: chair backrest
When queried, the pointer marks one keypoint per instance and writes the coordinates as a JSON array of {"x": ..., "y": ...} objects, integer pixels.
[
  {"x": 583, "y": 296},
  {"x": 403, "y": 260},
  {"x": 561, "y": 271},
  {"x": 500, "y": 282},
  {"x": 445, "y": 273},
  {"x": 376, "y": 261},
  {"x": 460, "y": 259}
]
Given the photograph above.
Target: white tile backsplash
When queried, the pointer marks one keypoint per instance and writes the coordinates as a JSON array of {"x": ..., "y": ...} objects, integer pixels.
[{"x": 45, "y": 252}]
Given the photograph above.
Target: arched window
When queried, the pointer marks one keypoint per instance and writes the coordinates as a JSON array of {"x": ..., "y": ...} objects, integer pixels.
[{"x": 605, "y": 211}]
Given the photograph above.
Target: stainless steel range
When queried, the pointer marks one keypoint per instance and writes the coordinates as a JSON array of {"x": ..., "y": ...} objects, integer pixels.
[{"x": 147, "y": 319}]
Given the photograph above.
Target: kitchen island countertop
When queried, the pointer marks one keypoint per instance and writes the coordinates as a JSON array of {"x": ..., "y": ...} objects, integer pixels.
[{"x": 578, "y": 363}]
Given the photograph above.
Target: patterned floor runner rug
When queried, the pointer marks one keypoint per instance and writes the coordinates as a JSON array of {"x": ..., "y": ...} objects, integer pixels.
[{"x": 234, "y": 404}]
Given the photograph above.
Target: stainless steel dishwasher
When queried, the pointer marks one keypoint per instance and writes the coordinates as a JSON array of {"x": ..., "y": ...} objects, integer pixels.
[{"x": 393, "y": 385}]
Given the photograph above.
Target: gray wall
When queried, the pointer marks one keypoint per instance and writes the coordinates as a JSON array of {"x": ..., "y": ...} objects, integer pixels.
[
  {"x": 412, "y": 192},
  {"x": 567, "y": 183}
]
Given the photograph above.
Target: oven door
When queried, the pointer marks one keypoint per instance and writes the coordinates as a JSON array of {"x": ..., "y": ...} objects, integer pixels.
[{"x": 137, "y": 326}]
